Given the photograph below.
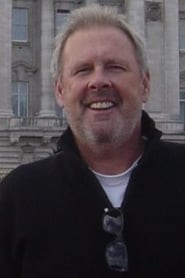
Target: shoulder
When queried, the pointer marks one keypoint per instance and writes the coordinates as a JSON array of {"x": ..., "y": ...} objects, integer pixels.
[
  {"x": 31, "y": 175},
  {"x": 170, "y": 154},
  {"x": 43, "y": 175},
  {"x": 172, "y": 148}
]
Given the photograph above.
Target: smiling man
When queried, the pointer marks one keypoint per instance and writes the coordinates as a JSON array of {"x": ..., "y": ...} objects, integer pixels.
[
  {"x": 102, "y": 88},
  {"x": 111, "y": 201}
]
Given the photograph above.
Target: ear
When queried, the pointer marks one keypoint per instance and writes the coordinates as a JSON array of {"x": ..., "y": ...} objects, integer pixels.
[
  {"x": 59, "y": 92},
  {"x": 146, "y": 86}
]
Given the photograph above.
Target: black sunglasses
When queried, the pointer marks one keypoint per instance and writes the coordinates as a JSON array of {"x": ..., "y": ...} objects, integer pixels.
[{"x": 115, "y": 252}]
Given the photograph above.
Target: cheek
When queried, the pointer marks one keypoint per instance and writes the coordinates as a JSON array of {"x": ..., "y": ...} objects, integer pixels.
[
  {"x": 70, "y": 98},
  {"x": 75, "y": 92},
  {"x": 133, "y": 97}
]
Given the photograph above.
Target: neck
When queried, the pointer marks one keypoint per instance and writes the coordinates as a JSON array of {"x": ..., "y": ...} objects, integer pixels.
[{"x": 111, "y": 160}]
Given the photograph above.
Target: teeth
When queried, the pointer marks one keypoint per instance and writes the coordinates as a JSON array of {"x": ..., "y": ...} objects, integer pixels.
[{"x": 101, "y": 105}]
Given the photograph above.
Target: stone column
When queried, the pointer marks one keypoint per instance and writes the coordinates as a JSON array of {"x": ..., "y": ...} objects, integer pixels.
[
  {"x": 47, "y": 44},
  {"x": 5, "y": 58},
  {"x": 172, "y": 58},
  {"x": 136, "y": 16},
  {"x": 155, "y": 39}
]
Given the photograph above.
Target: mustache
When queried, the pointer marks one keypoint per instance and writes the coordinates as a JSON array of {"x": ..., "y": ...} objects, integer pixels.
[{"x": 103, "y": 94}]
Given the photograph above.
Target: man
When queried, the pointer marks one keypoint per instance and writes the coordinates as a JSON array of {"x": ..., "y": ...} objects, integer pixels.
[{"x": 111, "y": 201}]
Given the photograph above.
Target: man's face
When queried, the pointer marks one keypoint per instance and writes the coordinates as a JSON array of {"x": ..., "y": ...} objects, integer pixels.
[{"x": 101, "y": 87}]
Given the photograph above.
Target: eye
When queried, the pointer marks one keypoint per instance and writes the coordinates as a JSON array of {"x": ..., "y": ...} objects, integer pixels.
[
  {"x": 116, "y": 67},
  {"x": 82, "y": 70}
]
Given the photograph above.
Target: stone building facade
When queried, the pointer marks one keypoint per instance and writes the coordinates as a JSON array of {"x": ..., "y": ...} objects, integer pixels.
[{"x": 30, "y": 121}]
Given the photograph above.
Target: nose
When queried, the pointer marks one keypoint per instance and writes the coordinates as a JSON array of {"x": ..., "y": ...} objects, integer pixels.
[{"x": 99, "y": 80}]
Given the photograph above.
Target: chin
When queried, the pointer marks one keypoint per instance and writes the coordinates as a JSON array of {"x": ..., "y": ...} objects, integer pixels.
[{"x": 99, "y": 136}]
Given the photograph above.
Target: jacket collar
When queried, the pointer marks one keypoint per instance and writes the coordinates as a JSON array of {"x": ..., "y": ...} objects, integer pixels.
[{"x": 148, "y": 128}]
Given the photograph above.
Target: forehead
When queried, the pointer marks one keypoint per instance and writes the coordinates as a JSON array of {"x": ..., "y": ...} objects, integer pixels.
[{"x": 98, "y": 39}]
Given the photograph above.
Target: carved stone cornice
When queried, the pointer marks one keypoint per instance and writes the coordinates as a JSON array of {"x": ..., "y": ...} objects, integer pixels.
[
  {"x": 153, "y": 11},
  {"x": 74, "y": 2},
  {"x": 118, "y": 3},
  {"x": 27, "y": 67}
]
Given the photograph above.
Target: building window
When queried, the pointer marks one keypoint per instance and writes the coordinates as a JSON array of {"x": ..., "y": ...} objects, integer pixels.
[
  {"x": 182, "y": 30},
  {"x": 60, "y": 18},
  {"x": 182, "y": 105},
  {"x": 20, "y": 98},
  {"x": 20, "y": 24}
]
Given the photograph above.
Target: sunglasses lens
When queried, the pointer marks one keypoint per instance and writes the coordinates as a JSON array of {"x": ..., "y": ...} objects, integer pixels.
[
  {"x": 116, "y": 251},
  {"x": 113, "y": 222},
  {"x": 116, "y": 256}
]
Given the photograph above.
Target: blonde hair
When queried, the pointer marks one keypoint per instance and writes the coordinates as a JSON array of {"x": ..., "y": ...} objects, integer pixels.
[{"x": 95, "y": 15}]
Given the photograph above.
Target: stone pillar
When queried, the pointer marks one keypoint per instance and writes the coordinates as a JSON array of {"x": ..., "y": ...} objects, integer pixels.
[
  {"x": 155, "y": 40},
  {"x": 172, "y": 58},
  {"x": 5, "y": 58},
  {"x": 136, "y": 16},
  {"x": 47, "y": 44}
]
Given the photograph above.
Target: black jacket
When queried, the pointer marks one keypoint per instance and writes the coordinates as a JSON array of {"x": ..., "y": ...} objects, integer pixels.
[{"x": 51, "y": 215}]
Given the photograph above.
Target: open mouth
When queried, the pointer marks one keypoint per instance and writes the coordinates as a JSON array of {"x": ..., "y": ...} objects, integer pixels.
[{"x": 101, "y": 105}]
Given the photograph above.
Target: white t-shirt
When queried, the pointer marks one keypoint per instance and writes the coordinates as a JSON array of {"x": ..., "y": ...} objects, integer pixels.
[{"x": 115, "y": 185}]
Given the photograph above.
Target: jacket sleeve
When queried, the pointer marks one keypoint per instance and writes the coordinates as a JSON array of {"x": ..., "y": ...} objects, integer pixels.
[{"x": 9, "y": 263}]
